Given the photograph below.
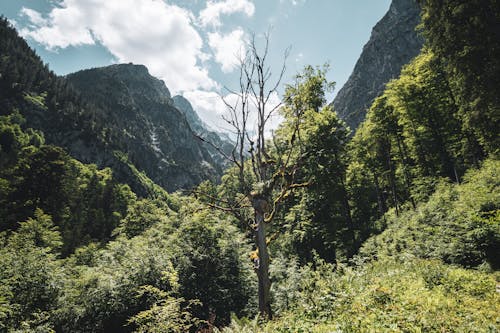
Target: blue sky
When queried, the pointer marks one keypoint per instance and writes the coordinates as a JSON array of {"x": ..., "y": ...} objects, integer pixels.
[{"x": 192, "y": 44}]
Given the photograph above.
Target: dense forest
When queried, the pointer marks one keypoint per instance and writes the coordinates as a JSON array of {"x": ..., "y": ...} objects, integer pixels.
[{"x": 390, "y": 227}]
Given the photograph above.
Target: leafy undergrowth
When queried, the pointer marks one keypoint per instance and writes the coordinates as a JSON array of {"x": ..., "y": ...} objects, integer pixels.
[
  {"x": 434, "y": 269},
  {"x": 459, "y": 224},
  {"x": 416, "y": 295}
]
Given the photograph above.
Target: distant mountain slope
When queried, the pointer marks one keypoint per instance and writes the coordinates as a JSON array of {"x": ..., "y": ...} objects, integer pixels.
[
  {"x": 157, "y": 136},
  {"x": 393, "y": 43},
  {"x": 213, "y": 139},
  {"x": 119, "y": 117},
  {"x": 183, "y": 105}
]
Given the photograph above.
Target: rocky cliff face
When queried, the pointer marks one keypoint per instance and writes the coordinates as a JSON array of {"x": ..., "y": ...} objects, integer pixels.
[
  {"x": 144, "y": 124},
  {"x": 183, "y": 105},
  {"x": 393, "y": 43},
  {"x": 219, "y": 140}
]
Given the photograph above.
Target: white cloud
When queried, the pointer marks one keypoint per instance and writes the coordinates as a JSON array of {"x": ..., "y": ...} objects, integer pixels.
[
  {"x": 210, "y": 16},
  {"x": 34, "y": 16},
  {"x": 61, "y": 29},
  {"x": 211, "y": 108},
  {"x": 294, "y": 2},
  {"x": 228, "y": 48},
  {"x": 149, "y": 32}
]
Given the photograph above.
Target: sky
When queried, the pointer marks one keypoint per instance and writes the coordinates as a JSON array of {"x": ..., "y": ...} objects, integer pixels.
[{"x": 193, "y": 45}]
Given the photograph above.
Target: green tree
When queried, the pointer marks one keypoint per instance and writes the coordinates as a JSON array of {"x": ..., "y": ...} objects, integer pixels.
[
  {"x": 466, "y": 36},
  {"x": 412, "y": 136},
  {"x": 428, "y": 118},
  {"x": 321, "y": 219},
  {"x": 167, "y": 314},
  {"x": 30, "y": 276}
]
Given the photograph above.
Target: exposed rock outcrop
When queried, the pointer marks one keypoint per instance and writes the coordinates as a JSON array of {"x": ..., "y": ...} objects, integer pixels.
[
  {"x": 183, "y": 105},
  {"x": 393, "y": 43},
  {"x": 215, "y": 142},
  {"x": 146, "y": 125}
]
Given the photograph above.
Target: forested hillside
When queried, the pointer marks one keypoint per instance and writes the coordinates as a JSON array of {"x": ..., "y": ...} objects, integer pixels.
[
  {"x": 157, "y": 137},
  {"x": 393, "y": 229},
  {"x": 119, "y": 117}
]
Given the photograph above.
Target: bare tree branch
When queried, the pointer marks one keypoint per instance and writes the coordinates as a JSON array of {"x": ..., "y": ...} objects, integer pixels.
[{"x": 219, "y": 150}]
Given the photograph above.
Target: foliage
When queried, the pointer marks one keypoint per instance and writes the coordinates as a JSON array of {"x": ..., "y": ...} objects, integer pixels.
[
  {"x": 395, "y": 229},
  {"x": 460, "y": 224},
  {"x": 212, "y": 263},
  {"x": 141, "y": 215},
  {"x": 318, "y": 217},
  {"x": 403, "y": 280},
  {"x": 84, "y": 202},
  {"x": 412, "y": 138},
  {"x": 385, "y": 296},
  {"x": 465, "y": 35},
  {"x": 184, "y": 256},
  {"x": 30, "y": 275},
  {"x": 93, "y": 289},
  {"x": 166, "y": 315}
]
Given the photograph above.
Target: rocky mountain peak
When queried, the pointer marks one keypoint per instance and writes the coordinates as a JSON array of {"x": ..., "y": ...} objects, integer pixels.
[
  {"x": 134, "y": 82},
  {"x": 183, "y": 105},
  {"x": 393, "y": 43},
  {"x": 157, "y": 137}
]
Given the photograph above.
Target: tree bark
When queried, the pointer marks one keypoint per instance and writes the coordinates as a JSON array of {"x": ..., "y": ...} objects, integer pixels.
[
  {"x": 382, "y": 208},
  {"x": 263, "y": 267},
  {"x": 403, "y": 156}
]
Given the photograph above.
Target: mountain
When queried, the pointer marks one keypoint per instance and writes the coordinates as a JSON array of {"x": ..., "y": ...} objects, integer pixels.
[
  {"x": 393, "y": 43},
  {"x": 183, "y": 105},
  {"x": 216, "y": 142},
  {"x": 157, "y": 137},
  {"x": 117, "y": 116}
]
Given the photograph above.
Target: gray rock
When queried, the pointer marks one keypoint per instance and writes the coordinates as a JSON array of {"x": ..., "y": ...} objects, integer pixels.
[
  {"x": 183, "y": 105},
  {"x": 393, "y": 43},
  {"x": 215, "y": 142},
  {"x": 144, "y": 124}
]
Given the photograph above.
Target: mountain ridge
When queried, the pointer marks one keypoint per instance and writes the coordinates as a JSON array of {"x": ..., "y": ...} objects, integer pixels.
[
  {"x": 160, "y": 140},
  {"x": 392, "y": 44},
  {"x": 119, "y": 129}
]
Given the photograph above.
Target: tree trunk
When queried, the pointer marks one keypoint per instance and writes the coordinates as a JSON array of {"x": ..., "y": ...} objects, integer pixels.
[
  {"x": 263, "y": 267},
  {"x": 380, "y": 199},
  {"x": 392, "y": 176},
  {"x": 402, "y": 154}
]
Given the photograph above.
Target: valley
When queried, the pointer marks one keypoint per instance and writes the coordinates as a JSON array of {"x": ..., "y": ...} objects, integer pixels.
[{"x": 121, "y": 210}]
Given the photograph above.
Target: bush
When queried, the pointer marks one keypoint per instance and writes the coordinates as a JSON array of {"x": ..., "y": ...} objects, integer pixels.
[
  {"x": 387, "y": 296},
  {"x": 460, "y": 224}
]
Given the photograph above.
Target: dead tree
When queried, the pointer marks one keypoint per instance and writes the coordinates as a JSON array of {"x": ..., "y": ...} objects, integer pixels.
[{"x": 263, "y": 181}]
